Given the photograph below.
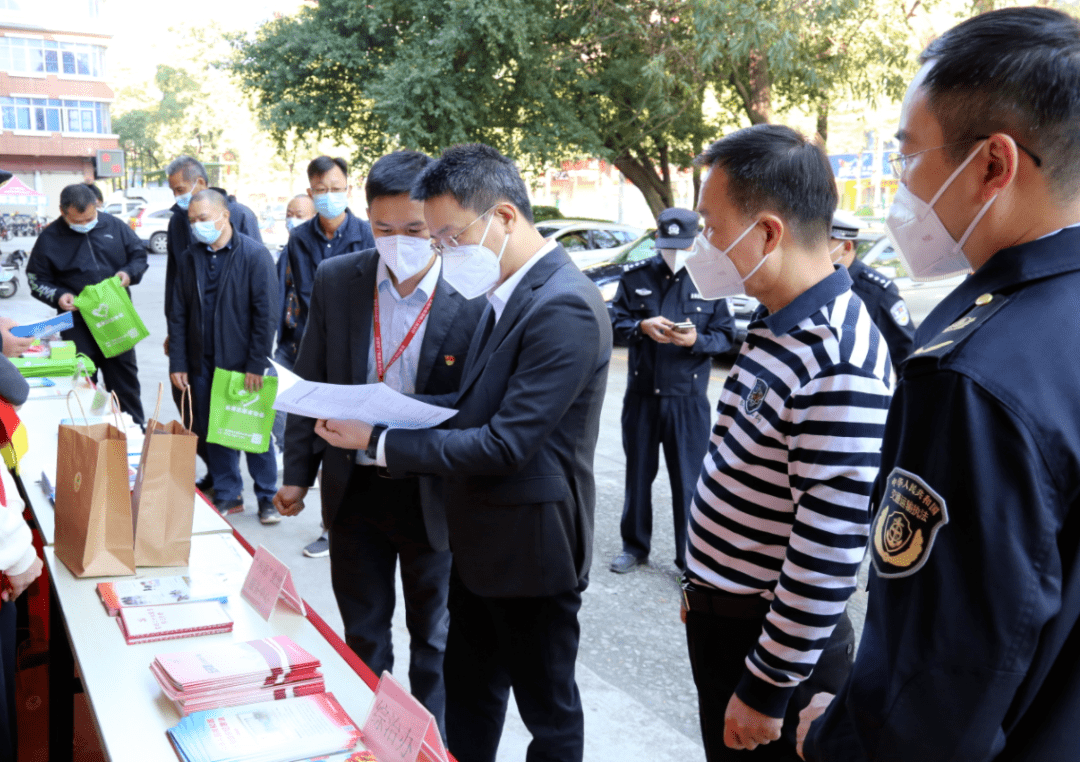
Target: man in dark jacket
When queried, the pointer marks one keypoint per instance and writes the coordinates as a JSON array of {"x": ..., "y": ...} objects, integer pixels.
[
  {"x": 222, "y": 316},
  {"x": 333, "y": 231},
  {"x": 187, "y": 176},
  {"x": 79, "y": 249}
]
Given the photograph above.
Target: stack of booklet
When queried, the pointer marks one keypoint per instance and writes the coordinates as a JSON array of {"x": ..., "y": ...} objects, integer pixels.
[
  {"x": 233, "y": 674},
  {"x": 145, "y": 624},
  {"x": 156, "y": 591},
  {"x": 278, "y": 731}
]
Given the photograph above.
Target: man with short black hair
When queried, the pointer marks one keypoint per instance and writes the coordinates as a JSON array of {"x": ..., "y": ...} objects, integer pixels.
[
  {"x": 516, "y": 461},
  {"x": 222, "y": 316},
  {"x": 80, "y": 248},
  {"x": 882, "y": 298},
  {"x": 425, "y": 327},
  {"x": 779, "y": 521},
  {"x": 333, "y": 231},
  {"x": 969, "y": 650},
  {"x": 673, "y": 333},
  {"x": 187, "y": 176},
  {"x": 100, "y": 198}
]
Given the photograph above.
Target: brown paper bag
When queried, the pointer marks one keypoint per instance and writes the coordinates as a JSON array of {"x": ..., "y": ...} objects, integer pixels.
[
  {"x": 163, "y": 502},
  {"x": 93, "y": 505}
]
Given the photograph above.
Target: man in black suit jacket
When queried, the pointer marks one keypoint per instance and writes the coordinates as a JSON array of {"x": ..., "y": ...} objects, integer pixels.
[
  {"x": 516, "y": 462},
  {"x": 376, "y": 522}
]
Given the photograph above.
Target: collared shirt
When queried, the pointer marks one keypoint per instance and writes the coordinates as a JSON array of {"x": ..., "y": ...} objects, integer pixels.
[
  {"x": 502, "y": 293},
  {"x": 781, "y": 509},
  {"x": 215, "y": 263},
  {"x": 397, "y": 314}
]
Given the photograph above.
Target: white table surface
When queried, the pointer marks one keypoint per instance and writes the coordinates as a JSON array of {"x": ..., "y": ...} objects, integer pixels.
[
  {"x": 131, "y": 711},
  {"x": 42, "y": 418}
]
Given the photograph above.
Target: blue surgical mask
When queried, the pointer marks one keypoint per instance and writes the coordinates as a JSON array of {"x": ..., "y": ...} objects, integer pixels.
[
  {"x": 184, "y": 200},
  {"x": 206, "y": 231},
  {"x": 290, "y": 224},
  {"x": 84, "y": 228},
  {"x": 330, "y": 205}
]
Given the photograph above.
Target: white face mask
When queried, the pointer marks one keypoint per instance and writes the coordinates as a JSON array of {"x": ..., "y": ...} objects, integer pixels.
[
  {"x": 405, "y": 255},
  {"x": 675, "y": 258},
  {"x": 927, "y": 249},
  {"x": 472, "y": 268},
  {"x": 832, "y": 253},
  {"x": 714, "y": 274}
]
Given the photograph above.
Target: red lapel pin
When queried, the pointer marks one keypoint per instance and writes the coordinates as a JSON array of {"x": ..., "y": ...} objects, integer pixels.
[{"x": 449, "y": 359}]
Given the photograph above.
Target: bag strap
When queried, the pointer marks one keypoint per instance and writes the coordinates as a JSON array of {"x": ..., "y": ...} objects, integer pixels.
[
  {"x": 190, "y": 420},
  {"x": 116, "y": 411},
  {"x": 157, "y": 407},
  {"x": 86, "y": 421}
]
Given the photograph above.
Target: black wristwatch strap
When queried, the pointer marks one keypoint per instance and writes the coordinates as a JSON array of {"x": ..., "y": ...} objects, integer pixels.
[{"x": 373, "y": 443}]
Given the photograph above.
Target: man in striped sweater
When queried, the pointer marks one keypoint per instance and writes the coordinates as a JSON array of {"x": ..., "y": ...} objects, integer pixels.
[{"x": 779, "y": 521}]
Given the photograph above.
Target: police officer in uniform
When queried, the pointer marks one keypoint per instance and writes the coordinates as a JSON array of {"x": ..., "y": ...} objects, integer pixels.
[
  {"x": 673, "y": 334},
  {"x": 880, "y": 295},
  {"x": 970, "y": 648}
]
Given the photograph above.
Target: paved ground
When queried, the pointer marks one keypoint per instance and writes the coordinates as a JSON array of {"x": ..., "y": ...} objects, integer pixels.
[{"x": 633, "y": 669}]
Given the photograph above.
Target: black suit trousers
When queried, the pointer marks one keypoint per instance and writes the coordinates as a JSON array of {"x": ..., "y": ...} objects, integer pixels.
[
  {"x": 528, "y": 644},
  {"x": 378, "y": 526}
]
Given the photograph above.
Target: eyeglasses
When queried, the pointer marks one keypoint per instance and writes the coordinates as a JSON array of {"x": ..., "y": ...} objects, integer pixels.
[
  {"x": 439, "y": 247},
  {"x": 898, "y": 161}
]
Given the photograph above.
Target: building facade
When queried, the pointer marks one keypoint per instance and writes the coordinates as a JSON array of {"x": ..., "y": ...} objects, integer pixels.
[{"x": 54, "y": 94}]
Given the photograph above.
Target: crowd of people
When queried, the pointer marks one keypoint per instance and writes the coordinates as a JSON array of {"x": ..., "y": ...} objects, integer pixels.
[{"x": 951, "y": 453}]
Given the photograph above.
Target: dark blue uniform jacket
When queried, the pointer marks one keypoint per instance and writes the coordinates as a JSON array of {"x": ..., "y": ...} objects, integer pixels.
[
  {"x": 887, "y": 309},
  {"x": 971, "y": 649},
  {"x": 244, "y": 313},
  {"x": 648, "y": 289}
]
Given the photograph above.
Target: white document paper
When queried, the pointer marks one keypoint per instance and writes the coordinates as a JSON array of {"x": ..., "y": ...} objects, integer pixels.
[{"x": 376, "y": 404}]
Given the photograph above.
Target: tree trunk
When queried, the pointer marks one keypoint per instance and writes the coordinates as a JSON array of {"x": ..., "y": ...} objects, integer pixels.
[
  {"x": 823, "y": 124},
  {"x": 657, "y": 194},
  {"x": 756, "y": 90}
]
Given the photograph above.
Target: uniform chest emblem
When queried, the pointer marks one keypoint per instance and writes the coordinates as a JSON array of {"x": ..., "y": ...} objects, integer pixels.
[
  {"x": 753, "y": 401},
  {"x": 643, "y": 291},
  {"x": 900, "y": 314},
  {"x": 903, "y": 533}
]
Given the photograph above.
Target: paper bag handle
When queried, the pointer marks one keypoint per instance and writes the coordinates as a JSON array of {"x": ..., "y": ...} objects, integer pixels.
[
  {"x": 116, "y": 411},
  {"x": 185, "y": 396},
  {"x": 86, "y": 421},
  {"x": 157, "y": 407}
]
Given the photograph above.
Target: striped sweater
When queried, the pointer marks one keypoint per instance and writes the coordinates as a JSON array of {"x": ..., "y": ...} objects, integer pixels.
[{"x": 781, "y": 506}]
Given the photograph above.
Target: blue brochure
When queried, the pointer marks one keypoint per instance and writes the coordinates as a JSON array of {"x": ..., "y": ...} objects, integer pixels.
[{"x": 46, "y": 327}]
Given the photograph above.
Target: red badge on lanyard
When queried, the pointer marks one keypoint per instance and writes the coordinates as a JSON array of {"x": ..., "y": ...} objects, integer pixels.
[{"x": 380, "y": 369}]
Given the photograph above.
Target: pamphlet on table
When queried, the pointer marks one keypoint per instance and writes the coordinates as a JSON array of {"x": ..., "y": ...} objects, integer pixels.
[{"x": 143, "y": 624}]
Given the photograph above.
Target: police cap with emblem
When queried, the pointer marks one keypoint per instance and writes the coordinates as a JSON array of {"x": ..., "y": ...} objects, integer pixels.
[
  {"x": 676, "y": 229},
  {"x": 845, "y": 226}
]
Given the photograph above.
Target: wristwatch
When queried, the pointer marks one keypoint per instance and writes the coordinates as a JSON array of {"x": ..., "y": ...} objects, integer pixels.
[{"x": 373, "y": 443}]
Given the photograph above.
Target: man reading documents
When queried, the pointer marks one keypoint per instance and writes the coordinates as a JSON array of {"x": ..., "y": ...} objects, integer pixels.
[
  {"x": 516, "y": 461},
  {"x": 382, "y": 315}
]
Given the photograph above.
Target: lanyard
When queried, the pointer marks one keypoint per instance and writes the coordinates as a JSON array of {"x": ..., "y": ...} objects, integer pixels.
[{"x": 380, "y": 369}]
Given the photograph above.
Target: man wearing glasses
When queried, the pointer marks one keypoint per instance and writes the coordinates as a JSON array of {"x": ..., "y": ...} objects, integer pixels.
[
  {"x": 969, "y": 650},
  {"x": 516, "y": 461}
]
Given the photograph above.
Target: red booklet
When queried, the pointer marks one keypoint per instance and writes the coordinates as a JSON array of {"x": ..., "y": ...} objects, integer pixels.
[
  {"x": 145, "y": 624},
  {"x": 269, "y": 661}
]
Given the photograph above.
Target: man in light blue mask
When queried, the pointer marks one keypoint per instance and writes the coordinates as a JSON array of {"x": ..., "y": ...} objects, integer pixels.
[
  {"x": 333, "y": 231},
  {"x": 223, "y": 316},
  {"x": 82, "y": 247},
  {"x": 187, "y": 177}
]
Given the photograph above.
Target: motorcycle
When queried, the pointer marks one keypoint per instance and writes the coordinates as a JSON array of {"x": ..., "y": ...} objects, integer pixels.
[
  {"x": 15, "y": 259},
  {"x": 9, "y": 282}
]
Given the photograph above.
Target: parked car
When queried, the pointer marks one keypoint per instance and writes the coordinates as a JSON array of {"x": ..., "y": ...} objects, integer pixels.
[
  {"x": 590, "y": 241},
  {"x": 606, "y": 276},
  {"x": 151, "y": 224},
  {"x": 125, "y": 208}
]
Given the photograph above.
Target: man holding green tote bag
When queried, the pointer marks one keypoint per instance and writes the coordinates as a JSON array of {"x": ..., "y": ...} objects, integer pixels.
[
  {"x": 224, "y": 309},
  {"x": 83, "y": 248}
]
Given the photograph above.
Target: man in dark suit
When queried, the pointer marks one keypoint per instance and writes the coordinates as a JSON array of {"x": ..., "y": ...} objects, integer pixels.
[
  {"x": 516, "y": 460},
  {"x": 375, "y": 522}
]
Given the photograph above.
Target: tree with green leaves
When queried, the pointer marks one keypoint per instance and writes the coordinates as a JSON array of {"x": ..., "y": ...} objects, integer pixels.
[{"x": 542, "y": 81}]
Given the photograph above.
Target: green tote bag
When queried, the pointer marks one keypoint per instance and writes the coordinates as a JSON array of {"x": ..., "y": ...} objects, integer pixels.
[
  {"x": 112, "y": 320},
  {"x": 241, "y": 419}
]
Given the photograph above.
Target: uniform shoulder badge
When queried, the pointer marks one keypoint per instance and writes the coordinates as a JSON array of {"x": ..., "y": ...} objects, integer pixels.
[
  {"x": 629, "y": 266},
  {"x": 877, "y": 279},
  {"x": 900, "y": 314},
  {"x": 952, "y": 336},
  {"x": 903, "y": 532}
]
